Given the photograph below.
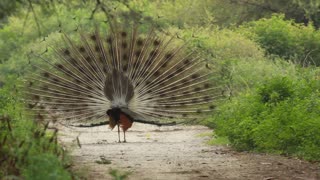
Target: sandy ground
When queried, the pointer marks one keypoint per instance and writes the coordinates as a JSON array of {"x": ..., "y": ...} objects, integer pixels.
[{"x": 176, "y": 152}]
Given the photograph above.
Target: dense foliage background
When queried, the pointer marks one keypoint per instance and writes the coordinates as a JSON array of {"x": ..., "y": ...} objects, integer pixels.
[{"x": 267, "y": 54}]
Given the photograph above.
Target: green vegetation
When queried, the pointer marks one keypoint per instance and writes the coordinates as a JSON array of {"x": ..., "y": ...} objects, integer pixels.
[
  {"x": 280, "y": 115},
  {"x": 286, "y": 39},
  {"x": 219, "y": 141},
  {"x": 119, "y": 175},
  {"x": 27, "y": 149},
  {"x": 267, "y": 62}
]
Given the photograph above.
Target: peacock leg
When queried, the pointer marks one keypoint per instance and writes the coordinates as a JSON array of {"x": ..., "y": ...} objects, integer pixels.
[
  {"x": 119, "y": 133},
  {"x": 124, "y": 134}
]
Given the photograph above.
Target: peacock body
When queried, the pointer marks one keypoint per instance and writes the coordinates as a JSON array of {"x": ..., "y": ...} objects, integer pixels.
[{"x": 124, "y": 74}]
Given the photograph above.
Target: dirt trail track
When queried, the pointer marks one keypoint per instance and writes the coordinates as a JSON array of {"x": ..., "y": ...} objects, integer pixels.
[{"x": 174, "y": 153}]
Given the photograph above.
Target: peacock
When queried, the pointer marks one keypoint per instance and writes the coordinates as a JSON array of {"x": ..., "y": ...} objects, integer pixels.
[{"x": 122, "y": 74}]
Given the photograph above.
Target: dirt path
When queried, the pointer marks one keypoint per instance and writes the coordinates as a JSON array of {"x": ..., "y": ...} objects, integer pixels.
[{"x": 174, "y": 153}]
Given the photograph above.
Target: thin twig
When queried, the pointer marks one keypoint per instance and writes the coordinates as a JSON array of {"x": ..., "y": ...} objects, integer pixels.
[
  {"x": 35, "y": 17},
  {"x": 25, "y": 20},
  {"x": 304, "y": 62},
  {"x": 102, "y": 6}
]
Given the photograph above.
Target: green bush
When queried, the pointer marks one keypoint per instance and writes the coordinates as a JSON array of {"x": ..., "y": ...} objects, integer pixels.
[
  {"x": 244, "y": 74},
  {"x": 25, "y": 146},
  {"x": 279, "y": 89},
  {"x": 286, "y": 39},
  {"x": 281, "y": 115},
  {"x": 224, "y": 44},
  {"x": 45, "y": 166}
]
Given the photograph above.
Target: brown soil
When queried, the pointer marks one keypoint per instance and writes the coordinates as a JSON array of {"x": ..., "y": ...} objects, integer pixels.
[{"x": 176, "y": 152}]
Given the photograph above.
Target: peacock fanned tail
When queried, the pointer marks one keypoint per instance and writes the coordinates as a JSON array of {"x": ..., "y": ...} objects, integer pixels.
[{"x": 150, "y": 78}]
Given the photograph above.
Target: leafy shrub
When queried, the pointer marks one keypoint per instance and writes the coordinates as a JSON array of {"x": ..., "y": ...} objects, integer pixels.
[
  {"x": 24, "y": 144},
  {"x": 244, "y": 74},
  {"x": 286, "y": 39},
  {"x": 216, "y": 44},
  {"x": 45, "y": 166},
  {"x": 279, "y": 89},
  {"x": 282, "y": 115}
]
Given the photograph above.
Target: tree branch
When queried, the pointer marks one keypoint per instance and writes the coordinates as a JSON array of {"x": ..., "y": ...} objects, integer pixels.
[{"x": 35, "y": 17}]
